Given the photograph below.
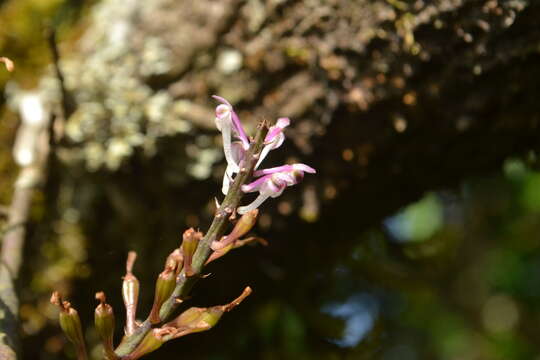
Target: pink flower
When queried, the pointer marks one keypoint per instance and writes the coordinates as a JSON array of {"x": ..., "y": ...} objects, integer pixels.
[
  {"x": 272, "y": 183},
  {"x": 229, "y": 124},
  {"x": 274, "y": 138},
  {"x": 237, "y": 152}
]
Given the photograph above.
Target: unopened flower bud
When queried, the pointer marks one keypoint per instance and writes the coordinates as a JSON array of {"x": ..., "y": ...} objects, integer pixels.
[
  {"x": 201, "y": 319},
  {"x": 238, "y": 243},
  {"x": 175, "y": 260},
  {"x": 242, "y": 227},
  {"x": 151, "y": 342},
  {"x": 195, "y": 320},
  {"x": 70, "y": 324},
  {"x": 189, "y": 316},
  {"x": 190, "y": 242},
  {"x": 211, "y": 316},
  {"x": 104, "y": 320},
  {"x": 130, "y": 294},
  {"x": 219, "y": 253},
  {"x": 165, "y": 284}
]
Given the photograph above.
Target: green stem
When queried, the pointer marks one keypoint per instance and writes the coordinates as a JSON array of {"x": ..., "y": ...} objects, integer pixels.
[{"x": 215, "y": 232}]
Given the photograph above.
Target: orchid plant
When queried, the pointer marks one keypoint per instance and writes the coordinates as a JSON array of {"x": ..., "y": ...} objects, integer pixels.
[{"x": 184, "y": 265}]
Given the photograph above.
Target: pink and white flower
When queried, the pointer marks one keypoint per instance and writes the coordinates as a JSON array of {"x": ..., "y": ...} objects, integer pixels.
[
  {"x": 270, "y": 182},
  {"x": 274, "y": 138},
  {"x": 229, "y": 124}
]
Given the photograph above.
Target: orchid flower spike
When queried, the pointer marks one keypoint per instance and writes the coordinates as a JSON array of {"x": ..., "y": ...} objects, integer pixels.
[
  {"x": 229, "y": 124},
  {"x": 273, "y": 139},
  {"x": 272, "y": 182}
]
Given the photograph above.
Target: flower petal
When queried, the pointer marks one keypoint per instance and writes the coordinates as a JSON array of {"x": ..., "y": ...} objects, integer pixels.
[
  {"x": 222, "y": 100},
  {"x": 240, "y": 130},
  {"x": 254, "y": 205},
  {"x": 227, "y": 177},
  {"x": 255, "y": 185},
  {"x": 304, "y": 167},
  {"x": 236, "y": 124},
  {"x": 273, "y": 170},
  {"x": 226, "y": 134},
  {"x": 277, "y": 129}
]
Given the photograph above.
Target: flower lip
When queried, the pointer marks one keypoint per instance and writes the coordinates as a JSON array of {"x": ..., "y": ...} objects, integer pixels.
[{"x": 274, "y": 185}]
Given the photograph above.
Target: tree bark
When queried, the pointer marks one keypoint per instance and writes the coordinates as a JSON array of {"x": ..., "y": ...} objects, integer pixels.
[{"x": 418, "y": 94}]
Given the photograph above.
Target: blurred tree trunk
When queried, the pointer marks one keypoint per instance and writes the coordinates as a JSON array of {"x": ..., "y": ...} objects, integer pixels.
[
  {"x": 8, "y": 316},
  {"x": 386, "y": 97}
]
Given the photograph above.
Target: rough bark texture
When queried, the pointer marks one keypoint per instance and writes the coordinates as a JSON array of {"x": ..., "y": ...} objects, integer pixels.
[{"x": 421, "y": 88}]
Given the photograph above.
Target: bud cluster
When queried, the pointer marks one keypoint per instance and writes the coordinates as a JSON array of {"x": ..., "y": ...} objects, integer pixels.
[{"x": 192, "y": 320}]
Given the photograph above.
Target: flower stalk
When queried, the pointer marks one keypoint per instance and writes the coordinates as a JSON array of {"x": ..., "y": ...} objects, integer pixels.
[
  {"x": 216, "y": 231},
  {"x": 184, "y": 265}
]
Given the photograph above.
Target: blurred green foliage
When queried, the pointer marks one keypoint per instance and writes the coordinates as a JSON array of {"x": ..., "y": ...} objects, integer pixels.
[{"x": 23, "y": 33}]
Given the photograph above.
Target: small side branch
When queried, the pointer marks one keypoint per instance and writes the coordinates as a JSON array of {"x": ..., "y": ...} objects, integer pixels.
[{"x": 67, "y": 104}]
